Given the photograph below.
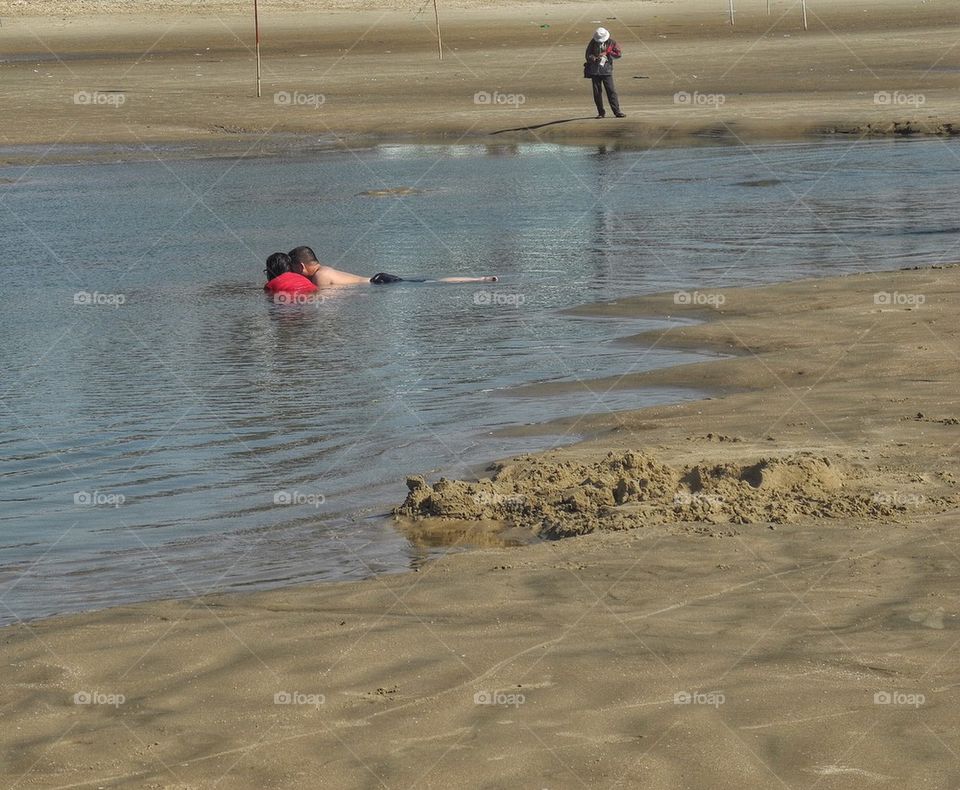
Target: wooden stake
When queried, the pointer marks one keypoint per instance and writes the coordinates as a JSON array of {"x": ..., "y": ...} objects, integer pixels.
[
  {"x": 768, "y": 7},
  {"x": 256, "y": 25},
  {"x": 803, "y": 3},
  {"x": 732, "y": 21},
  {"x": 436, "y": 15}
]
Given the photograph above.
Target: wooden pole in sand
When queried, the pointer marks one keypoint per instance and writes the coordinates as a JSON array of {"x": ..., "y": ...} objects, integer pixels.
[
  {"x": 803, "y": 4},
  {"x": 732, "y": 21},
  {"x": 256, "y": 25},
  {"x": 436, "y": 16},
  {"x": 768, "y": 7}
]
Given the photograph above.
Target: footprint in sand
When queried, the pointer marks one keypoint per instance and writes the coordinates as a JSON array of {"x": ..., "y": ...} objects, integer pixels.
[{"x": 932, "y": 619}]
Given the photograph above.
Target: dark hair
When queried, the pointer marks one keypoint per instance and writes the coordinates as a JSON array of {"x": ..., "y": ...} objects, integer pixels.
[
  {"x": 277, "y": 264},
  {"x": 303, "y": 255}
]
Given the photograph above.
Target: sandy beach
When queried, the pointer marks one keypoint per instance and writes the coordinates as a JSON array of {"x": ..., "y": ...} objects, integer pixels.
[
  {"x": 722, "y": 649},
  {"x": 511, "y": 72},
  {"x": 755, "y": 589}
]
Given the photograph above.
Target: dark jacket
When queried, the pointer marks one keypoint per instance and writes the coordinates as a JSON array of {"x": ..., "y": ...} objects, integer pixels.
[{"x": 595, "y": 50}]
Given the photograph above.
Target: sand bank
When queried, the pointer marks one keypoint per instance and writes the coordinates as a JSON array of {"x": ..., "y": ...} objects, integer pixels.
[
  {"x": 510, "y": 73},
  {"x": 716, "y": 652}
]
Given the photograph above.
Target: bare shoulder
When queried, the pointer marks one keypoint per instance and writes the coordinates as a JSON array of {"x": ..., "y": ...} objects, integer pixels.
[{"x": 327, "y": 275}]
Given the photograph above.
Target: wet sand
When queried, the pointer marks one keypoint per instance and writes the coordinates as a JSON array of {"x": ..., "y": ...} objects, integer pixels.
[
  {"x": 357, "y": 76},
  {"x": 806, "y": 650}
]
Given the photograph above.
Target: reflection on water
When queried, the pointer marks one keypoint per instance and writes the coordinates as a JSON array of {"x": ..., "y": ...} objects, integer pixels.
[
  {"x": 431, "y": 534},
  {"x": 197, "y": 436}
]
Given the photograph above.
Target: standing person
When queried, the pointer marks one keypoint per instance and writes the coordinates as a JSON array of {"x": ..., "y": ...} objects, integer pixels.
[{"x": 601, "y": 52}]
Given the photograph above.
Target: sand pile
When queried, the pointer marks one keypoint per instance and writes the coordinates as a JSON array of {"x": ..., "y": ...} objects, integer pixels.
[{"x": 630, "y": 489}]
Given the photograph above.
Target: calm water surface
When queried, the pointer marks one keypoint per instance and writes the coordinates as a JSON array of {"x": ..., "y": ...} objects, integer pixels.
[{"x": 197, "y": 437}]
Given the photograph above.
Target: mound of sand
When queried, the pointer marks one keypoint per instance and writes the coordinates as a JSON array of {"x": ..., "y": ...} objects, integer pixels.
[{"x": 630, "y": 489}]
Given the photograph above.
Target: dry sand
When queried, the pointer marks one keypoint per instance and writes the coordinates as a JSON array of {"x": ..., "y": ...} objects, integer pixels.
[
  {"x": 179, "y": 71},
  {"x": 721, "y": 652}
]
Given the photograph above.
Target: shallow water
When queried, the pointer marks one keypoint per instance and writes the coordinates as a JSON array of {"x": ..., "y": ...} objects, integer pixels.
[{"x": 149, "y": 446}]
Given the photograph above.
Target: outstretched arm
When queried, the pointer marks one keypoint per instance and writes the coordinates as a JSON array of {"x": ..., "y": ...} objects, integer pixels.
[
  {"x": 328, "y": 276},
  {"x": 488, "y": 279}
]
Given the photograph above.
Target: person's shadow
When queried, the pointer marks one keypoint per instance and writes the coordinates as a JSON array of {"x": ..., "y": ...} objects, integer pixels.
[{"x": 541, "y": 125}]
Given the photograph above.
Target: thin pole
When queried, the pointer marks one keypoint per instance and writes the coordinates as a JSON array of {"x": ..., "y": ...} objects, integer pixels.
[
  {"x": 732, "y": 21},
  {"x": 803, "y": 3},
  {"x": 768, "y": 7},
  {"x": 436, "y": 15},
  {"x": 256, "y": 25}
]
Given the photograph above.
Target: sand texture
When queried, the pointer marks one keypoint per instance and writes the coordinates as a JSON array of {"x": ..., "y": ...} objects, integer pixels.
[
  {"x": 628, "y": 490},
  {"x": 511, "y": 73}
]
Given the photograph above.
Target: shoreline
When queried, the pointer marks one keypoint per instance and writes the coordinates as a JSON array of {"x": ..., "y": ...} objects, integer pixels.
[
  {"x": 795, "y": 626},
  {"x": 303, "y": 146}
]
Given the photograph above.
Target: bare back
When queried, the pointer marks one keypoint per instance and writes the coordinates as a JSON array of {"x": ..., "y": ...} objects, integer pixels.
[{"x": 327, "y": 276}]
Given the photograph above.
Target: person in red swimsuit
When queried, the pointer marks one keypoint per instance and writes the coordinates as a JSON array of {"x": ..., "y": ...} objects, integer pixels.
[{"x": 284, "y": 276}]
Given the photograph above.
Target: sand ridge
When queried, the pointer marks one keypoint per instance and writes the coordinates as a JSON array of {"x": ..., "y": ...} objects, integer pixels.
[{"x": 557, "y": 498}]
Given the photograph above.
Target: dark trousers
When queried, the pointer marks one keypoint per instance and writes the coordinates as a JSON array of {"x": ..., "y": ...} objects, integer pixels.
[{"x": 599, "y": 83}]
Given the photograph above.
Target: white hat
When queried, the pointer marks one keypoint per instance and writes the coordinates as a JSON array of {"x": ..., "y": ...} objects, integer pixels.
[{"x": 601, "y": 35}]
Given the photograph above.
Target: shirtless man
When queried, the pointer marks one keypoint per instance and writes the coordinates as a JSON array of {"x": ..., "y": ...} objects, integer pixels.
[{"x": 324, "y": 276}]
